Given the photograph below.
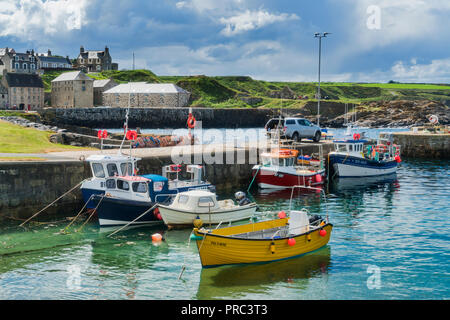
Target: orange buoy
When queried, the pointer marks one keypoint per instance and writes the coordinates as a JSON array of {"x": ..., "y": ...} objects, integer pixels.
[
  {"x": 281, "y": 214},
  {"x": 156, "y": 237}
]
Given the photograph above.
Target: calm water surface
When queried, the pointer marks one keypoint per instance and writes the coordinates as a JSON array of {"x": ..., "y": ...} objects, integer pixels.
[{"x": 390, "y": 241}]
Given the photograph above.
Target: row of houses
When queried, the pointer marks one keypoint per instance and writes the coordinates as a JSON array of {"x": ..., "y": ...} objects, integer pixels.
[
  {"x": 34, "y": 62},
  {"x": 22, "y": 87},
  {"x": 77, "y": 90}
]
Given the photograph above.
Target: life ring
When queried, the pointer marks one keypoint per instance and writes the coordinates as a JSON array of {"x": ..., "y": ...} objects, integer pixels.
[
  {"x": 102, "y": 134},
  {"x": 175, "y": 167},
  {"x": 131, "y": 135},
  {"x": 381, "y": 148},
  {"x": 191, "y": 121}
]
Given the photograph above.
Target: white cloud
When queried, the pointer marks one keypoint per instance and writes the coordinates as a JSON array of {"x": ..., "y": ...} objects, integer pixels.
[
  {"x": 27, "y": 19},
  {"x": 250, "y": 20},
  {"x": 436, "y": 71},
  {"x": 400, "y": 20}
]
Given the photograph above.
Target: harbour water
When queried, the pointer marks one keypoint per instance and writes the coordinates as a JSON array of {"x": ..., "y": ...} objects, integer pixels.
[{"x": 390, "y": 241}]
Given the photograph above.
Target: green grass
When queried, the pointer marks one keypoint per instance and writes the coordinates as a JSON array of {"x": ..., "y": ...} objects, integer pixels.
[
  {"x": 16, "y": 139},
  {"x": 228, "y": 91}
]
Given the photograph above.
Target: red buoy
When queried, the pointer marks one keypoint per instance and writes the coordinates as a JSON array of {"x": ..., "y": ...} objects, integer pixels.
[
  {"x": 291, "y": 242},
  {"x": 318, "y": 178},
  {"x": 323, "y": 233},
  {"x": 281, "y": 214},
  {"x": 397, "y": 158}
]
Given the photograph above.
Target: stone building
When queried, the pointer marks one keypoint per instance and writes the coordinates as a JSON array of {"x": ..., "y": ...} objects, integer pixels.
[
  {"x": 142, "y": 95},
  {"x": 25, "y": 90},
  {"x": 49, "y": 62},
  {"x": 101, "y": 86},
  {"x": 4, "y": 103},
  {"x": 17, "y": 62},
  {"x": 95, "y": 61},
  {"x": 72, "y": 89}
]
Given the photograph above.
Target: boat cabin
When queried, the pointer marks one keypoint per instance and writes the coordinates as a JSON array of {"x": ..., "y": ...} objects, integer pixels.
[
  {"x": 279, "y": 158},
  {"x": 199, "y": 201},
  {"x": 150, "y": 187},
  {"x": 129, "y": 187},
  {"x": 105, "y": 166},
  {"x": 171, "y": 172},
  {"x": 349, "y": 146}
]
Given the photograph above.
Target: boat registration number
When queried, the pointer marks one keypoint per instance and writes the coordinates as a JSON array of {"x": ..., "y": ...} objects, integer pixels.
[{"x": 222, "y": 244}]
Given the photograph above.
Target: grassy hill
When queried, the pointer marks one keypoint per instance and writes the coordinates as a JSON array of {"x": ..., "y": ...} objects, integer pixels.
[{"x": 245, "y": 92}]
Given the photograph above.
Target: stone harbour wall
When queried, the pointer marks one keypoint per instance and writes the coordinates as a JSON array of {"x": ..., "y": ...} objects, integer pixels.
[
  {"x": 423, "y": 145},
  {"x": 27, "y": 187}
]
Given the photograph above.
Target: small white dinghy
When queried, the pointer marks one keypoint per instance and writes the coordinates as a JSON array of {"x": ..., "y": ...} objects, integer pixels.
[{"x": 191, "y": 206}]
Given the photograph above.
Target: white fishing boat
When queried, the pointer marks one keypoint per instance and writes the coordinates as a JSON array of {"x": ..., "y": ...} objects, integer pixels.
[
  {"x": 356, "y": 158},
  {"x": 192, "y": 206}
]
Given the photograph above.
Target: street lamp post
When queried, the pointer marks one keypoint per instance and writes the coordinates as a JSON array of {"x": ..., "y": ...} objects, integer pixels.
[{"x": 320, "y": 36}]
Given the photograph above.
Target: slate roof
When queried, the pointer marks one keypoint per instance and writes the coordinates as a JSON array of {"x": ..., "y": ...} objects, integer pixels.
[
  {"x": 54, "y": 59},
  {"x": 101, "y": 83},
  {"x": 24, "y": 80},
  {"x": 70, "y": 76},
  {"x": 142, "y": 87}
]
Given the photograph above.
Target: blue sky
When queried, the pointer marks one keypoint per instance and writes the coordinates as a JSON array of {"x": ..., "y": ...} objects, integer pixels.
[{"x": 371, "y": 40}]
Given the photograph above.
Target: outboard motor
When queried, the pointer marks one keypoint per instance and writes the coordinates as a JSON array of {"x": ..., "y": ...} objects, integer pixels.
[{"x": 241, "y": 198}]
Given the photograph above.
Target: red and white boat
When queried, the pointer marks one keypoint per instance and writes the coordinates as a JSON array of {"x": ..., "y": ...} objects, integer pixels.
[{"x": 281, "y": 168}]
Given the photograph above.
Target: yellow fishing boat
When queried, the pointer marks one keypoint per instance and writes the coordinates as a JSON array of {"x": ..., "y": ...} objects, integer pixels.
[{"x": 266, "y": 241}]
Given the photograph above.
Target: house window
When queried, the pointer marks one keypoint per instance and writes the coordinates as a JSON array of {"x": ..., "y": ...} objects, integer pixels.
[
  {"x": 83, "y": 88},
  {"x": 16, "y": 66}
]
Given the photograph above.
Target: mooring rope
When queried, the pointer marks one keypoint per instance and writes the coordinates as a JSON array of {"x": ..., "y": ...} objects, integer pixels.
[
  {"x": 132, "y": 221},
  {"x": 92, "y": 213},
  {"x": 34, "y": 215},
  {"x": 78, "y": 214}
]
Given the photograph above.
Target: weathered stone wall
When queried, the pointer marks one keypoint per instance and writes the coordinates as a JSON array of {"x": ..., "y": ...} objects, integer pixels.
[
  {"x": 146, "y": 100},
  {"x": 27, "y": 187},
  {"x": 160, "y": 117},
  {"x": 73, "y": 94},
  {"x": 423, "y": 145}
]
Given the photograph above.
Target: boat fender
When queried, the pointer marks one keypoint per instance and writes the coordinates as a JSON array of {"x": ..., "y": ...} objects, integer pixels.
[
  {"x": 272, "y": 247},
  {"x": 308, "y": 237},
  {"x": 198, "y": 222},
  {"x": 196, "y": 238},
  {"x": 291, "y": 242},
  {"x": 157, "y": 214},
  {"x": 322, "y": 232},
  {"x": 281, "y": 214}
]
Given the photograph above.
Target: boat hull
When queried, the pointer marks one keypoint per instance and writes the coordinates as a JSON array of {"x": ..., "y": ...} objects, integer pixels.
[
  {"x": 275, "y": 179},
  {"x": 350, "y": 167},
  {"x": 217, "y": 250},
  {"x": 87, "y": 193},
  {"x": 178, "y": 218},
  {"x": 116, "y": 212}
]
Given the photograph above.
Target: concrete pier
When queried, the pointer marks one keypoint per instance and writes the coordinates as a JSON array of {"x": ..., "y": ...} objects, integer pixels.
[
  {"x": 423, "y": 144},
  {"x": 28, "y": 186}
]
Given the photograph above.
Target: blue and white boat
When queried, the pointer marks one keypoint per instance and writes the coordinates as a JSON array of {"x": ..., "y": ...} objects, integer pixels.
[
  {"x": 126, "y": 198},
  {"x": 358, "y": 158}
]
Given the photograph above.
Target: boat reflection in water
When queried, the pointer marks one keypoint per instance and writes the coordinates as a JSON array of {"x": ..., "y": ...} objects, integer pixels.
[
  {"x": 228, "y": 282},
  {"x": 363, "y": 183}
]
